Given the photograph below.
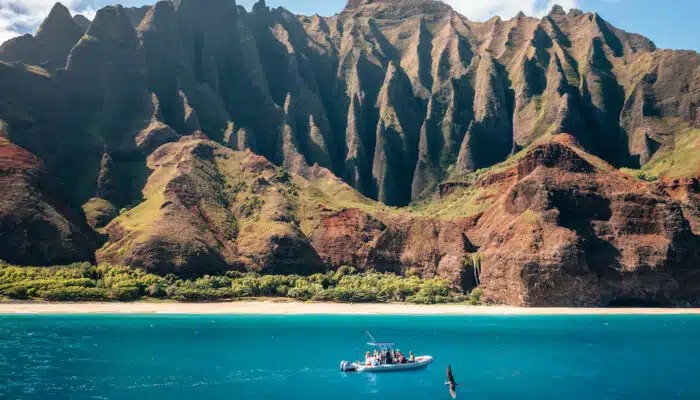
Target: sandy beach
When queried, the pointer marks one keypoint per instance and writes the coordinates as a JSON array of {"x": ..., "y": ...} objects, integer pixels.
[{"x": 296, "y": 308}]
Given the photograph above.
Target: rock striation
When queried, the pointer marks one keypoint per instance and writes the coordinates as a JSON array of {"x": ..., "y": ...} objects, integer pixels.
[{"x": 384, "y": 86}]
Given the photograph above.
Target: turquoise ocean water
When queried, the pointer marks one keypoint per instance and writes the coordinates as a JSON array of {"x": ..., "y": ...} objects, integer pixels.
[{"x": 297, "y": 357}]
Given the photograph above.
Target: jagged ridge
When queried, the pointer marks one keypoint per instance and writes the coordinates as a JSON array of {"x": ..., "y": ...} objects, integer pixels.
[{"x": 468, "y": 93}]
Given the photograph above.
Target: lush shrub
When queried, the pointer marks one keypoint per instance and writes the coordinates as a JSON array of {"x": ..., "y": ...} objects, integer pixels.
[
  {"x": 475, "y": 297},
  {"x": 433, "y": 291},
  {"x": 32, "y": 288},
  {"x": 283, "y": 175},
  {"x": 74, "y": 293},
  {"x": 239, "y": 290},
  {"x": 125, "y": 293},
  {"x": 156, "y": 290},
  {"x": 272, "y": 285},
  {"x": 282, "y": 291},
  {"x": 646, "y": 176},
  {"x": 304, "y": 292},
  {"x": 190, "y": 294},
  {"x": 641, "y": 175},
  {"x": 16, "y": 292},
  {"x": 347, "y": 295}
]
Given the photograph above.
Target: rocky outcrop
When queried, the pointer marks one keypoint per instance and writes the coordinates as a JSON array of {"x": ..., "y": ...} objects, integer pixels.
[
  {"x": 569, "y": 233},
  {"x": 395, "y": 244}
]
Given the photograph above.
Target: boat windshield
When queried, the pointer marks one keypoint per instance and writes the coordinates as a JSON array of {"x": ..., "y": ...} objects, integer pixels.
[{"x": 380, "y": 344}]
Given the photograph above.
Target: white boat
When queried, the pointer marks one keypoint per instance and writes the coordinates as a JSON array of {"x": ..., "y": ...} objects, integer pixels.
[{"x": 379, "y": 364}]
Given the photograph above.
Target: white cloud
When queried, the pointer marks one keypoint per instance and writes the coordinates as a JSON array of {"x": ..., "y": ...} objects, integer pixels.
[
  {"x": 481, "y": 10},
  {"x": 18, "y": 17}
]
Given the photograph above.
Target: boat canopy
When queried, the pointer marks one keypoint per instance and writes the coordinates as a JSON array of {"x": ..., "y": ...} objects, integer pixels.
[{"x": 380, "y": 344}]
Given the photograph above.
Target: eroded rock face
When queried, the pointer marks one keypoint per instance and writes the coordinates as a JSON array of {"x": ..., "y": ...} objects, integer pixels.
[
  {"x": 347, "y": 237},
  {"x": 572, "y": 234},
  {"x": 391, "y": 96},
  {"x": 37, "y": 225}
]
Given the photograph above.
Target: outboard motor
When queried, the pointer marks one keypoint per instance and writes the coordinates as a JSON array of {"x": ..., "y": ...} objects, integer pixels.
[{"x": 347, "y": 366}]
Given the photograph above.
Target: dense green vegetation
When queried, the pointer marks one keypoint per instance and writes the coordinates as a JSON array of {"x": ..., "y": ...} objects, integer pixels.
[
  {"x": 640, "y": 174},
  {"x": 85, "y": 282}
]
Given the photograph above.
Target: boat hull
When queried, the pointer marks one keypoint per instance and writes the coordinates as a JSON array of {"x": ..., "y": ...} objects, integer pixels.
[{"x": 421, "y": 363}]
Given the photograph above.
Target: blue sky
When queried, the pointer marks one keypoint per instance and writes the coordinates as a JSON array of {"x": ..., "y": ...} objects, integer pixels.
[{"x": 669, "y": 23}]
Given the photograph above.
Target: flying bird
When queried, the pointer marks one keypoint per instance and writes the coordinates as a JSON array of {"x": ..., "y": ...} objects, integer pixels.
[{"x": 451, "y": 382}]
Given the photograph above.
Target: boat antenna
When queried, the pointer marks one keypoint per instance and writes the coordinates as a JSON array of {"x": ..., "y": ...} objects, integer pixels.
[{"x": 370, "y": 336}]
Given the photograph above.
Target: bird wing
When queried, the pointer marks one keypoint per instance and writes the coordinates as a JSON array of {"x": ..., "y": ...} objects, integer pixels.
[
  {"x": 453, "y": 393},
  {"x": 450, "y": 378}
]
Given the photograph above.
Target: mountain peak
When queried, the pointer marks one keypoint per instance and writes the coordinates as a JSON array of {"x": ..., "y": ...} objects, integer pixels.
[
  {"x": 557, "y": 10},
  {"x": 260, "y": 6},
  {"x": 58, "y": 21},
  {"x": 111, "y": 22},
  {"x": 82, "y": 21}
]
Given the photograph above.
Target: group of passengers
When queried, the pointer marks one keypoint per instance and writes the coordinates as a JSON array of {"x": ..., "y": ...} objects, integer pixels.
[{"x": 384, "y": 356}]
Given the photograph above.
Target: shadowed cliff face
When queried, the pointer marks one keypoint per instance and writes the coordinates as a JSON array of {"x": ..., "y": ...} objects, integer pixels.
[
  {"x": 388, "y": 100},
  {"x": 37, "y": 224}
]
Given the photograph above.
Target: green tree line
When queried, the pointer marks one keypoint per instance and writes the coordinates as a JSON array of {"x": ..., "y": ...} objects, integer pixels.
[{"x": 86, "y": 282}]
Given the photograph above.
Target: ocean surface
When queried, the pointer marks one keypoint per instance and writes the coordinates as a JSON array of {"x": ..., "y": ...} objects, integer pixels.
[{"x": 297, "y": 357}]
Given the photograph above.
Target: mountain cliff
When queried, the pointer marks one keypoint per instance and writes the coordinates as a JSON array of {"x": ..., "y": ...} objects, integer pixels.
[{"x": 527, "y": 142}]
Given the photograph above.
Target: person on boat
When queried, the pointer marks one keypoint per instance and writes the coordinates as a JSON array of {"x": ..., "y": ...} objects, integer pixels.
[
  {"x": 411, "y": 357},
  {"x": 368, "y": 355},
  {"x": 400, "y": 357}
]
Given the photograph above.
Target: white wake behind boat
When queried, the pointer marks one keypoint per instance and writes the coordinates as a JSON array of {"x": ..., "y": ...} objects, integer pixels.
[{"x": 381, "y": 364}]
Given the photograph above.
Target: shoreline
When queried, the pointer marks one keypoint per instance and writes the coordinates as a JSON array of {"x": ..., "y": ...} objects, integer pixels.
[{"x": 298, "y": 308}]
